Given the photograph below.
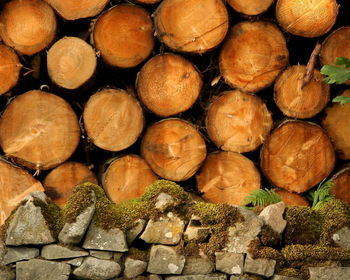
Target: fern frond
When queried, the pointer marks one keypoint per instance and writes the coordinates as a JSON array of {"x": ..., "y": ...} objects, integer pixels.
[
  {"x": 262, "y": 197},
  {"x": 322, "y": 194}
]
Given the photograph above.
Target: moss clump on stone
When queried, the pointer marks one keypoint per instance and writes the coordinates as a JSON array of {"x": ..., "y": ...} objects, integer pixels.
[
  {"x": 137, "y": 254},
  {"x": 294, "y": 272},
  {"x": 192, "y": 249},
  {"x": 268, "y": 236},
  {"x": 257, "y": 251},
  {"x": 304, "y": 225}
]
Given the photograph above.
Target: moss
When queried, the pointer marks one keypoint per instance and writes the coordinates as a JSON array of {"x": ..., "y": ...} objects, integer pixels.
[
  {"x": 293, "y": 272},
  {"x": 314, "y": 252},
  {"x": 304, "y": 225},
  {"x": 192, "y": 249},
  {"x": 268, "y": 236},
  {"x": 137, "y": 254},
  {"x": 257, "y": 251}
]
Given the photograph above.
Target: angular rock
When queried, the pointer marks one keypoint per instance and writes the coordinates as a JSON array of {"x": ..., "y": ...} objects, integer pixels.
[
  {"x": 15, "y": 254},
  {"x": 195, "y": 231},
  {"x": 2, "y": 251},
  {"x": 342, "y": 238},
  {"x": 242, "y": 233},
  {"x": 103, "y": 255},
  {"x": 154, "y": 277},
  {"x": 328, "y": 273},
  {"x": 163, "y": 201},
  {"x": 166, "y": 230},
  {"x": 55, "y": 252},
  {"x": 263, "y": 267},
  {"x": 135, "y": 231},
  {"x": 230, "y": 263},
  {"x": 100, "y": 239},
  {"x": 214, "y": 276},
  {"x": 273, "y": 216},
  {"x": 42, "y": 270},
  {"x": 7, "y": 273},
  {"x": 72, "y": 233},
  {"x": 118, "y": 257},
  {"x": 96, "y": 269},
  {"x": 281, "y": 277},
  {"x": 165, "y": 260},
  {"x": 195, "y": 265},
  {"x": 28, "y": 225},
  {"x": 134, "y": 268},
  {"x": 75, "y": 262}
]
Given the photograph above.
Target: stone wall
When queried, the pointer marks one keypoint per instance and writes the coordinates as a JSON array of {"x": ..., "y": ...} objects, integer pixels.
[{"x": 175, "y": 242}]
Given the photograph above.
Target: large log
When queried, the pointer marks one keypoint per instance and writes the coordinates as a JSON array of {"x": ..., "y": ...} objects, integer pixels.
[
  {"x": 168, "y": 84},
  {"x": 59, "y": 183},
  {"x": 297, "y": 101},
  {"x": 227, "y": 177},
  {"x": 71, "y": 62},
  {"x": 337, "y": 124},
  {"x": 124, "y": 35},
  {"x": 307, "y": 18},
  {"x": 297, "y": 156},
  {"x": 187, "y": 26},
  {"x": 39, "y": 130},
  {"x": 113, "y": 119},
  {"x": 292, "y": 199},
  {"x": 250, "y": 7},
  {"x": 174, "y": 149},
  {"x": 341, "y": 187},
  {"x": 127, "y": 178},
  {"x": 15, "y": 184},
  {"x": 9, "y": 69},
  {"x": 252, "y": 56},
  {"x": 238, "y": 122},
  {"x": 27, "y": 25}
]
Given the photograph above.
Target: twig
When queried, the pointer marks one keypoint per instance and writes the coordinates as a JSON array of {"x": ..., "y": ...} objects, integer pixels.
[{"x": 311, "y": 65}]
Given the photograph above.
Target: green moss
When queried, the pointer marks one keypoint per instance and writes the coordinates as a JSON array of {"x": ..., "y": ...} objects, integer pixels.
[
  {"x": 192, "y": 249},
  {"x": 314, "y": 252},
  {"x": 268, "y": 236},
  {"x": 304, "y": 225},
  {"x": 293, "y": 272},
  {"x": 258, "y": 251},
  {"x": 137, "y": 254}
]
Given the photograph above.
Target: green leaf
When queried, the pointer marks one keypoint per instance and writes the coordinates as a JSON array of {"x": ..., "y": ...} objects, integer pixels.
[
  {"x": 343, "y": 61},
  {"x": 322, "y": 194},
  {"x": 342, "y": 100},
  {"x": 336, "y": 74},
  {"x": 262, "y": 197}
]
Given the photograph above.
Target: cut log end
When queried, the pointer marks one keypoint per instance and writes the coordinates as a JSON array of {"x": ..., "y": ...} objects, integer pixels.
[
  {"x": 300, "y": 102},
  {"x": 71, "y": 62},
  {"x": 147, "y": 1},
  {"x": 297, "y": 156},
  {"x": 10, "y": 68},
  {"x": 186, "y": 26},
  {"x": 168, "y": 84},
  {"x": 341, "y": 187},
  {"x": 27, "y": 25},
  {"x": 253, "y": 55},
  {"x": 60, "y": 182},
  {"x": 307, "y": 18},
  {"x": 238, "y": 122},
  {"x": 250, "y": 7},
  {"x": 292, "y": 199},
  {"x": 39, "y": 130},
  {"x": 227, "y": 177},
  {"x": 174, "y": 149},
  {"x": 124, "y": 35},
  {"x": 113, "y": 119},
  {"x": 127, "y": 178}
]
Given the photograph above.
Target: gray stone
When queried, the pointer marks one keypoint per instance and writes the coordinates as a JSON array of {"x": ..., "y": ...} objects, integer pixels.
[
  {"x": 154, "y": 277},
  {"x": 242, "y": 233},
  {"x": 281, "y": 277},
  {"x": 273, "y": 216},
  {"x": 230, "y": 263},
  {"x": 28, "y": 226},
  {"x": 2, "y": 251},
  {"x": 15, "y": 254},
  {"x": 55, "y": 252},
  {"x": 342, "y": 238},
  {"x": 166, "y": 230},
  {"x": 329, "y": 273},
  {"x": 214, "y": 276},
  {"x": 163, "y": 201},
  {"x": 100, "y": 239},
  {"x": 75, "y": 262},
  {"x": 246, "y": 277},
  {"x": 7, "y": 273},
  {"x": 165, "y": 260},
  {"x": 118, "y": 257},
  {"x": 42, "y": 270},
  {"x": 195, "y": 265},
  {"x": 72, "y": 233},
  {"x": 96, "y": 269},
  {"x": 103, "y": 255},
  {"x": 134, "y": 268},
  {"x": 263, "y": 267},
  {"x": 195, "y": 231},
  {"x": 134, "y": 232}
]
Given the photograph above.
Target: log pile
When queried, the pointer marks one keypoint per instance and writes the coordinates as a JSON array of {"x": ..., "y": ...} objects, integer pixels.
[{"x": 225, "y": 96}]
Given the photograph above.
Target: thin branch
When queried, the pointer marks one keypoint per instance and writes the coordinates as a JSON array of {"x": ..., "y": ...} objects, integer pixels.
[{"x": 311, "y": 65}]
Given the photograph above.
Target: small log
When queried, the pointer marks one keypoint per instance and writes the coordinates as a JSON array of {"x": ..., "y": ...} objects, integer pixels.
[
  {"x": 124, "y": 35},
  {"x": 71, "y": 62},
  {"x": 147, "y": 1},
  {"x": 28, "y": 26},
  {"x": 307, "y": 18},
  {"x": 174, "y": 149},
  {"x": 253, "y": 55},
  {"x": 238, "y": 122},
  {"x": 227, "y": 177},
  {"x": 187, "y": 26},
  {"x": 297, "y": 101},
  {"x": 39, "y": 130},
  {"x": 292, "y": 199},
  {"x": 250, "y": 7},
  {"x": 10, "y": 68},
  {"x": 72, "y": 10},
  {"x": 59, "y": 183},
  {"x": 15, "y": 185},
  {"x": 297, "y": 156},
  {"x": 113, "y": 119},
  {"x": 341, "y": 187},
  {"x": 168, "y": 84},
  {"x": 127, "y": 178},
  {"x": 337, "y": 124}
]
